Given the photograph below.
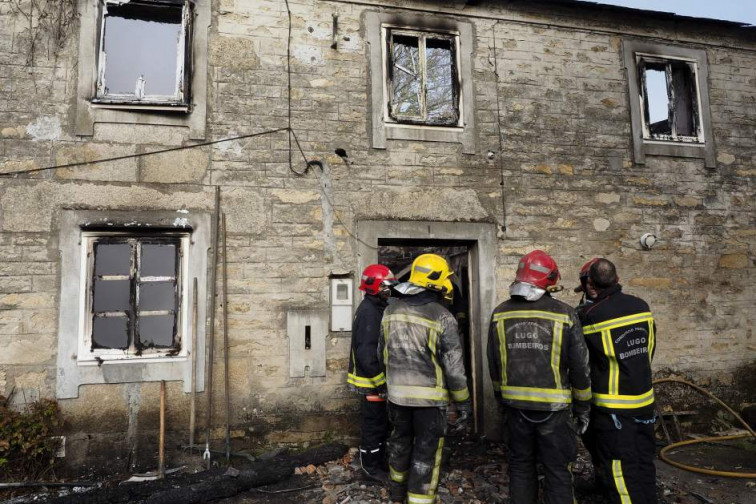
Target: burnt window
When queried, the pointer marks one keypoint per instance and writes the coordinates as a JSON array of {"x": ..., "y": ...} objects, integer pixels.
[
  {"x": 669, "y": 97},
  {"x": 422, "y": 78},
  {"x": 134, "y": 294},
  {"x": 144, "y": 53}
]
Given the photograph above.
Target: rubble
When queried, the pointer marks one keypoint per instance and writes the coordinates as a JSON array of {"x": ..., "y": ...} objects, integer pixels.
[{"x": 475, "y": 472}]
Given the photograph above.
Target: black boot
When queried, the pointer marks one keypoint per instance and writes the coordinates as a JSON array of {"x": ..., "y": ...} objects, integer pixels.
[
  {"x": 397, "y": 492},
  {"x": 371, "y": 460}
]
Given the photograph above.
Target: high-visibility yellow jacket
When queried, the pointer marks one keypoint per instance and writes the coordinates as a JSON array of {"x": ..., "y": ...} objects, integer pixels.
[
  {"x": 421, "y": 353},
  {"x": 537, "y": 356},
  {"x": 621, "y": 336}
]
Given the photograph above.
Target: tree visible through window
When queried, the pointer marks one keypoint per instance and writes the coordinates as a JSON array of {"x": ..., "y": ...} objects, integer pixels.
[
  {"x": 134, "y": 293},
  {"x": 670, "y": 100},
  {"x": 422, "y": 78},
  {"x": 144, "y": 52}
]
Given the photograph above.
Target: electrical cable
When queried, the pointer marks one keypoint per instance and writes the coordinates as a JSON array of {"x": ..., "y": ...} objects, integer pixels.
[
  {"x": 308, "y": 163},
  {"x": 141, "y": 154},
  {"x": 711, "y": 472},
  {"x": 288, "y": 87},
  {"x": 498, "y": 130},
  {"x": 328, "y": 199}
]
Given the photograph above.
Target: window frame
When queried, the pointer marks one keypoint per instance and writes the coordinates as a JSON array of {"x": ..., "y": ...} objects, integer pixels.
[
  {"x": 635, "y": 52},
  {"x": 387, "y": 34},
  {"x": 192, "y": 116},
  {"x": 379, "y": 128},
  {"x": 72, "y": 373},
  {"x": 642, "y": 61},
  {"x": 181, "y": 100},
  {"x": 89, "y": 355}
]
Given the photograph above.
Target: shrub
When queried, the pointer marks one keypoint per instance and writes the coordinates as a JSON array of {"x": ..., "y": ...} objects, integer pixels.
[{"x": 27, "y": 448}]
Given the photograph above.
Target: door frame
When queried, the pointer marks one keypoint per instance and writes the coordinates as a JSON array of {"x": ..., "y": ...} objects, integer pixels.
[{"x": 483, "y": 244}]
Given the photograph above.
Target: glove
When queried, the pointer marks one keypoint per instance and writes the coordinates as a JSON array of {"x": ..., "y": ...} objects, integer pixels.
[
  {"x": 582, "y": 415},
  {"x": 464, "y": 412}
]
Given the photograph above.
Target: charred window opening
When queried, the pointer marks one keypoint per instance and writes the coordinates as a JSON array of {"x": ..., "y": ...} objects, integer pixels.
[
  {"x": 669, "y": 98},
  {"x": 144, "y": 53},
  {"x": 134, "y": 294},
  {"x": 422, "y": 78}
]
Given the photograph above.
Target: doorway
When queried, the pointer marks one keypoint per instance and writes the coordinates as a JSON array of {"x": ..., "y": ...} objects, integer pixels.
[
  {"x": 398, "y": 255},
  {"x": 471, "y": 249}
]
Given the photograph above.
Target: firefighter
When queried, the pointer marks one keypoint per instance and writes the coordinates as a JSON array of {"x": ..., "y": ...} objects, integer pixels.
[
  {"x": 424, "y": 368},
  {"x": 589, "y": 292},
  {"x": 621, "y": 335},
  {"x": 365, "y": 375},
  {"x": 539, "y": 367}
]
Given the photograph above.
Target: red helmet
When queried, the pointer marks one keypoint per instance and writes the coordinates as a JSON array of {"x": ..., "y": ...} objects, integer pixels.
[
  {"x": 583, "y": 276},
  {"x": 539, "y": 269},
  {"x": 376, "y": 278}
]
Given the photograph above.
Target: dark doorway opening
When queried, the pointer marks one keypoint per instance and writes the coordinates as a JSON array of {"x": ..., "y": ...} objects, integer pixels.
[{"x": 398, "y": 255}]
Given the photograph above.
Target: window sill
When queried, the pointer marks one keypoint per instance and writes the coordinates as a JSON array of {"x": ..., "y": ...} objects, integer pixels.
[
  {"x": 430, "y": 133},
  {"x": 140, "y": 107},
  {"x": 142, "y": 359},
  {"x": 674, "y": 149}
]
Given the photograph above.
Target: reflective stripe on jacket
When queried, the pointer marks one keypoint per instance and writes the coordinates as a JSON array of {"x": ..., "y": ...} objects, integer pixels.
[
  {"x": 421, "y": 353},
  {"x": 365, "y": 374},
  {"x": 537, "y": 356},
  {"x": 621, "y": 336}
]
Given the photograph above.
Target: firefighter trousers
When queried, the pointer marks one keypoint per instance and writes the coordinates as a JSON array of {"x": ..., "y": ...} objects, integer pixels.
[
  {"x": 623, "y": 448},
  {"x": 374, "y": 432},
  {"x": 415, "y": 446},
  {"x": 546, "y": 438}
]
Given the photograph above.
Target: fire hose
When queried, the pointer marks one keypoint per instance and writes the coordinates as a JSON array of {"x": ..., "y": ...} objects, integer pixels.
[{"x": 712, "y": 472}]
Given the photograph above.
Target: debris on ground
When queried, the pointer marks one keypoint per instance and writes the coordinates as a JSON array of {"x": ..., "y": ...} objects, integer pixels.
[{"x": 474, "y": 472}]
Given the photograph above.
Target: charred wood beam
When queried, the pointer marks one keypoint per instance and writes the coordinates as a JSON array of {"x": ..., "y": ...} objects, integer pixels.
[{"x": 209, "y": 485}]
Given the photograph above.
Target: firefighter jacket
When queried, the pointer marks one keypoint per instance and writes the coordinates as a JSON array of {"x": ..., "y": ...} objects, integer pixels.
[
  {"x": 537, "y": 356},
  {"x": 365, "y": 375},
  {"x": 621, "y": 336},
  {"x": 421, "y": 353}
]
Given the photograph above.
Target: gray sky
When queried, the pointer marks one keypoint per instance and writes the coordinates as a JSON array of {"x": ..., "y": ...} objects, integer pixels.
[{"x": 728, "y": 10}]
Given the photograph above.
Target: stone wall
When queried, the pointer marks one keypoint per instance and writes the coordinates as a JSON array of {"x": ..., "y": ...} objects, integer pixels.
[{"x": 562, "y": 179}]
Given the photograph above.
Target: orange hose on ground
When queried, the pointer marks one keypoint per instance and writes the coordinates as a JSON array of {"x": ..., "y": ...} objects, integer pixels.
[{"x": 711, "y": 472}]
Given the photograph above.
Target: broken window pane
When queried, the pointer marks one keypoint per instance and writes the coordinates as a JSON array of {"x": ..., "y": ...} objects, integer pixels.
[
  {"x": 657, "y": 101},
  {"x": 423, "y": 78},
  {"x": 158, "y": 260},
  {"x": 111, "y": 295},
  {"x": 157, "y": 296},
  {"x": 670, "y": 97},
  {"x": 110, "y": 332},
  {"x": 156, "y": 330},
  {"x": 441, "y": 107},
  {"x": 407, "y": 84},
  {"x": 684, "y": 93},
  {"x": 112, "y": 259}
]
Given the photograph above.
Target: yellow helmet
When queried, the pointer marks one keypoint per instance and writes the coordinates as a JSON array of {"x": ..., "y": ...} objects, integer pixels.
[
  {"x": 430, "y": 271},
  {"x": 448, "y": 290}
]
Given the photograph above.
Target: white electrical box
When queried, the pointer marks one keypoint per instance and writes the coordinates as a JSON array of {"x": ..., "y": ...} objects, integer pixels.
[{"x": 342, "y": 300}]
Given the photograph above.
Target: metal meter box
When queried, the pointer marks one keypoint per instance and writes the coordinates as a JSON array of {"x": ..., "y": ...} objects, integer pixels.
[{"x": 342, "y": 301}]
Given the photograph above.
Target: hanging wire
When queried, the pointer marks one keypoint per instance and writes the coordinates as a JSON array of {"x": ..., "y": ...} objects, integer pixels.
[
  {"x": 501, "y": 137},
  {"x": 142, "y": 154},
  {"x": 288, "y": 87}
]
